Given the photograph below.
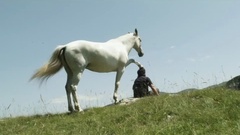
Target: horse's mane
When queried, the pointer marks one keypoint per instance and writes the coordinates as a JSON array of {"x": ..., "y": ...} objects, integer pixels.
[{"x": 123, "y": 37}]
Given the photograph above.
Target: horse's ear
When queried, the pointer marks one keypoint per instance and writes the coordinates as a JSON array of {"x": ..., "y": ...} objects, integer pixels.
[{"x": 136, "y": 32}]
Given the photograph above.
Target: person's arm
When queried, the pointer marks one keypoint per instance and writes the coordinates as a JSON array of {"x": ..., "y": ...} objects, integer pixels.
[{"x": 154, "y": 89}]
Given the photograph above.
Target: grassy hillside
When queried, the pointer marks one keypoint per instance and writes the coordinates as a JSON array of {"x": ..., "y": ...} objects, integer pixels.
[{"x": 208, "y": 111}]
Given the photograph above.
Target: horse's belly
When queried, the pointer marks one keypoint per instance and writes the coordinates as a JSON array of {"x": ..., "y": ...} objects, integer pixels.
[{"x": 103, "y": 66}]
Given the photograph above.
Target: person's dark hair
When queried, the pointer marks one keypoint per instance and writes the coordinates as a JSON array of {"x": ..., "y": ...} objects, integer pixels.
[{"x": 141, "y": 71}]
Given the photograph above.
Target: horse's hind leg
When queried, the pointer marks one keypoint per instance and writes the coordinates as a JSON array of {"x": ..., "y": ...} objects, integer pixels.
[
  {"x": 68, "y": 92},
  {"x": 75, "y": 82},
  {"x": 72, "y": 88}
]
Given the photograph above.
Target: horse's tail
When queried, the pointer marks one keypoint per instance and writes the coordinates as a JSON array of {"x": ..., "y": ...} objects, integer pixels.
[{"x": 52, "y": 67}]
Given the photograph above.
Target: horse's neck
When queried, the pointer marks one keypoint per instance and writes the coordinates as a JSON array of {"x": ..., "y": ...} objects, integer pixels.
[{"x": 127, "y": 41}]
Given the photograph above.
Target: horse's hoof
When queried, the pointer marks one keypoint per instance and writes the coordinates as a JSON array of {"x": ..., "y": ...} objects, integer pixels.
[
  {"x": 115, "y": 101},
  {"x": 73, "y": 112},
  {"x": 115, "y": 97},
  {"x": 70, "y": 109},
  {"x": 79, "y": 109}
]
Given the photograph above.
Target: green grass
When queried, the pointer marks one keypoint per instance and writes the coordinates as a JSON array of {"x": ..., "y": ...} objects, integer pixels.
[{"x": 202, "y": 112}]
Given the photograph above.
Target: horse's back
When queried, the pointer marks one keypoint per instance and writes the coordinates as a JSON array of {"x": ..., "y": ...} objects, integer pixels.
[
  {"x": 95, "y": 56},
  {"x": 81, "y": 44},
  {"x": 88, "y": 47}
]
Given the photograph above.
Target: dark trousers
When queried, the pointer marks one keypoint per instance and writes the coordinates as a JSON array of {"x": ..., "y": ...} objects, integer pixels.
[{"x": 140, "y": 93}]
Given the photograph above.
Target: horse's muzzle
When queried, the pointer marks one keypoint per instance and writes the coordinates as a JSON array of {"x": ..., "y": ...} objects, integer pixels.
[{"x": 140, "y": 54}]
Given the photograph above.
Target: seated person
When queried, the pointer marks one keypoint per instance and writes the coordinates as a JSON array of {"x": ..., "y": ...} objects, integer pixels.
[{"x": 141, "y": 84}]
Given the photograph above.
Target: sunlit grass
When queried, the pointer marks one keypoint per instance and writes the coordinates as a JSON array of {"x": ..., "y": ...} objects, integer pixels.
[{"x": 208, "y": 111}]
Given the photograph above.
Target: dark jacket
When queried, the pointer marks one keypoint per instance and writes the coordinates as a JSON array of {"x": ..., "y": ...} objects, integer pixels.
[{"x": 141, "y": 83}]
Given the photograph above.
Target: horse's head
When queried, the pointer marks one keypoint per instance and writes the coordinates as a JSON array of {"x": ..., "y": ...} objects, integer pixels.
[{"x": 137, "y": 44}]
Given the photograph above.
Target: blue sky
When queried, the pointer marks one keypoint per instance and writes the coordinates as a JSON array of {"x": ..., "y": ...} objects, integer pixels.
[{"x": 186, "y": 43}]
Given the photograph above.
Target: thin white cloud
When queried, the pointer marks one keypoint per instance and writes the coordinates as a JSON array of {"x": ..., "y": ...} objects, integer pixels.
[
  {"x": 89, "y": 98},
  {"x": 59, "y": 100},
  {"x": 191, "y": 59},
  {"x": 63, "y": 99},
  {"x": 206, "y": 57},
  {"x": 199, "y": 59},
  {"x": 169, "y": 61}
]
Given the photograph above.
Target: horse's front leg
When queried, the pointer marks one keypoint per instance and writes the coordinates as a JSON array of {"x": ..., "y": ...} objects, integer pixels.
[
  {"x": 117, "y": 83},
  {"x": 133, "y": 61}
]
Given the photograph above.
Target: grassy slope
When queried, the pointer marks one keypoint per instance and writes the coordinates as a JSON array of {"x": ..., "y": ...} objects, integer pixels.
[{"x": 209, "y": 111}]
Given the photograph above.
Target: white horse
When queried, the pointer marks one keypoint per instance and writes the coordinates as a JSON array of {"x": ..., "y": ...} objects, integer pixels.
[{"x": 111, "y": 56}]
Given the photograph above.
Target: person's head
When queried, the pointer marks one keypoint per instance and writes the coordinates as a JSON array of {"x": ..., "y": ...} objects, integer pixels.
[{"x": 141, "y": 71}]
